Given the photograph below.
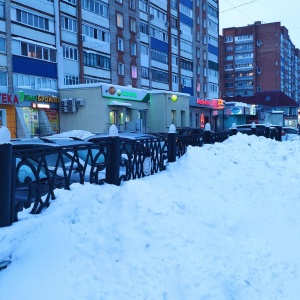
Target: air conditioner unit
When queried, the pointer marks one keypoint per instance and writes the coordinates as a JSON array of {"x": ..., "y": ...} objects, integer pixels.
[
  {"x": 80, "y": 102},
  {"x": 63, "y": 102},
  {"x": 64, "y": 109},
  {"x": 82, "y": 38},
  {"x": 151, "y": 17},
  {"x": 71, "y": 101}
]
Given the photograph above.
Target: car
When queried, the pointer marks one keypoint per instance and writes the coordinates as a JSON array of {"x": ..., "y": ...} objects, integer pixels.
[
  {"x": 189, "y": 130},
  {"x": 289, "y": 133},
  {"x": 260, "y": 129}
]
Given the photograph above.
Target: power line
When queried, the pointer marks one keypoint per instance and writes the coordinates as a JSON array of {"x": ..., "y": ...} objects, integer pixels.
[{"x": 236, "y": 7}]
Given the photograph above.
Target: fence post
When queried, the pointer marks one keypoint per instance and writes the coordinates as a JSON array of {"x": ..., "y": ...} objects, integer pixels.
[
  {"x": 253, "y": 128},
  {"x": 113, "y": 166},
  {"x": 233, "y": 129},
  {"x": 6, "y": 180},
  {"x": 278, "y": 135},
  {"x": 172, "y": 143},
  {"x": 267, "y": 131},
  {"x": 207, "y": 135}
]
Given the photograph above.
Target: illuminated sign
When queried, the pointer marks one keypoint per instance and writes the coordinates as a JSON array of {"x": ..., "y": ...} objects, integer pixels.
[
  {"x": 38, "y": 98},
  {"x": 211, "y": 103},
  {"x": 235, "y": 110},
  {"x": 110, "y": 91},
  {"x": 40, "y": 105},
  {"x": 174, "y": 98},
  {"x": 9, "y": 98}
]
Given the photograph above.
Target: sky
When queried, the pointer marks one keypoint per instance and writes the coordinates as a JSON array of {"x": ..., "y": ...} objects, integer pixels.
[
  {"x": 237, "y": 13},
  {"x": 221, "y": 223}
]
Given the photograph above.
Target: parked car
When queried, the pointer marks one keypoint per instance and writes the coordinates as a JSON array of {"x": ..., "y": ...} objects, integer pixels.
[
  {"x": 289, "y": 133},
  {"x": 189, "y": 130},
  {"x": 260, "y": 129}
]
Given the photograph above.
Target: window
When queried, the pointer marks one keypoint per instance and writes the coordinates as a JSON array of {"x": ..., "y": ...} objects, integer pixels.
[
  {"x": 70, "y": 52},
  {"x": 159, "y": 34},
  {"x": 96, "y": 60},
  {"x": 132, "y": 4},
  {"x": 159, "y": 56},
  {"x": 39, "y": 52},
  {"x": 174, "y": 4},
  {"x": 121, "y": 69},
  {"x": 2, "y": 45},
  {"x": 144, "y": 6},
  {"x": 133, "y": 49},
  {"x": 133, "y": 71},
  {"x": 96, "y": 7},
  {"x": 71, "y": 79},
  {"x": 120, "y": 44},
  {"x": 3, "y": 79},
  {"x": 175, "y": 78},
  {"x": 2, "y": 14},
  {"x": 32, "y": 20},
  {"x": 212, "y": 11},
  {"x": 174, "y": 22},
  {"x": 119, "y": 1},
  {"x": 185, "y": 10},
  {"x": 34, "y": 82},
  {"x": 96, "y": 33},
  {"x": 145, "y": 72},
  {"x": 186, "y": 64},
  {"x": 186, "y": 81},
  {"x": 68, "y": 24},
  {"x": 174, "y": 60},
  {"x": 158, "y": 14},
  {"x": 120, "y": 22},
  {"x": 132, "y": 25},
  {"x": 186, "y": 47},
  {"x": 144, "y": 49},
  {"x": 144, "y": 28},
  {"x": 160, "y": 75},
  {"x": 228, "y": 39},
  {"x": 174, "y": 41}
]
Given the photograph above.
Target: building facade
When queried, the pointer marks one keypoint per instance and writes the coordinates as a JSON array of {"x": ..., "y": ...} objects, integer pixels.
[
  {"x": 49, "y": 45},
  {"x": 259, "y": 57}
]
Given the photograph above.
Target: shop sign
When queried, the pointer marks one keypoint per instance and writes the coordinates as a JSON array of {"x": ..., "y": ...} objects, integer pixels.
[
  {"x": 38, "y": 98},
  {"x": 9, "y": 98},
  {"x": 235, "y": 110},
  {"x": 121, "y": 92},
  {"x": 211, "y": 103}
]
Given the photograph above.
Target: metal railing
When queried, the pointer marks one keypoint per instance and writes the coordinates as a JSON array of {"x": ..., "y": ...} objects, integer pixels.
[{"x": 30, "y": 175}]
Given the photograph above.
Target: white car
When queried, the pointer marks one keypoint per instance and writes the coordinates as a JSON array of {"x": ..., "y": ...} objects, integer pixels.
[{"x": 289, "y": 133}]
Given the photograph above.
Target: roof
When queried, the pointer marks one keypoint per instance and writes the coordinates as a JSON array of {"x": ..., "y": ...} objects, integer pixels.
[{"x": 266, "y": 98}]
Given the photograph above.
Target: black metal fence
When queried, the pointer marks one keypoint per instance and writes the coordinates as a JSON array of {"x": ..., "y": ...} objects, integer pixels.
[{"x": 30, "y": 174}]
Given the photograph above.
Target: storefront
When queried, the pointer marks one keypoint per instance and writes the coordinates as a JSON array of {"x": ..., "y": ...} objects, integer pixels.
[
  {"x": 26, "y": 114},
  {"x": 95, "y": 107},
  {"x": 239, "y": 113},
  {"x": 203, "y": 111}
]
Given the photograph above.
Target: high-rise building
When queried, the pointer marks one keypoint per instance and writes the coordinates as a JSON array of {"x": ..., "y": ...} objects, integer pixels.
[
  {"x": 259, "y": 57},
  {"x": 46, "y": 45}
]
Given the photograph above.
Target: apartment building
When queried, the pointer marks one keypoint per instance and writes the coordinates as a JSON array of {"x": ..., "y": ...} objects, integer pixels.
[
  {"x": 256, "y": 58},
  {"x": 50, "y": 45}
]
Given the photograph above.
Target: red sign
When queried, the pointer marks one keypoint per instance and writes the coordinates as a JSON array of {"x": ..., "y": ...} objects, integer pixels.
[
  {"x": 213, "y": 103},
  {"x": 9, "y": 98}
]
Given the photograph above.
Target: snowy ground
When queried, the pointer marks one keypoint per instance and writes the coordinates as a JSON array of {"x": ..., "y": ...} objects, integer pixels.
[{"x": 220, "y": 223}]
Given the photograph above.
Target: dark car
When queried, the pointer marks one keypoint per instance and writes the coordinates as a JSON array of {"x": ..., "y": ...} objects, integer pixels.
[
  {"x": 289, "y": 133},
  {"x": 189, "y": 130}
]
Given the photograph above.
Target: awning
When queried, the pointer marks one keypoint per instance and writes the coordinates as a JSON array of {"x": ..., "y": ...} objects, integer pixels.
[{"x": 118, "y": 103}]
